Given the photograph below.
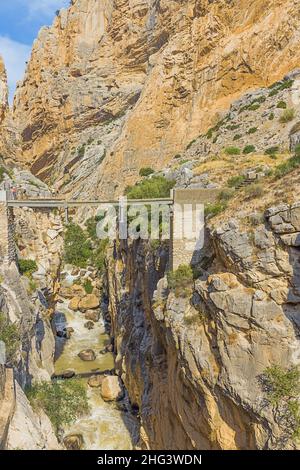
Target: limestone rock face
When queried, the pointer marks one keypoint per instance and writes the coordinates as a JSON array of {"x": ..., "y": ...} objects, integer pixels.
[
  {"x": 3, "y": 91},
  {"x": 115, "y": 86},
  {"x": 193, "y": 365},
  {"x": 29, "y": 430}
]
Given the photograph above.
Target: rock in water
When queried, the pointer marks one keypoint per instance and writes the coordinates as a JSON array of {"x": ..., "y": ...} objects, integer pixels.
[
  {"x": 68, "y": 374},
  {"x": 74, "y": 304},
  {"x": 87, "y": 355},
  {"x": 93, "y": 315},
  {"x": 89, "y": 325},
  {"x": 90, "y": 302},
  {"x": 96, "y": 381},
  {"x": 74, "y": 442},
  {"x": 111, "y": 389}
]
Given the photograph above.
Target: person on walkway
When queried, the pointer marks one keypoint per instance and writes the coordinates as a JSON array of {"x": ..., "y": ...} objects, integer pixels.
[{"x": 14, "y": 192}]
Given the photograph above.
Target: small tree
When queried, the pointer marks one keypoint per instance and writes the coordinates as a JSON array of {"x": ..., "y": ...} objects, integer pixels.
[
  {"x": 282, "y": 389},
  {"x": 181, "y": 280},
  {"x": 146, "y": 171},
  {"x": 78, "y": 249},
  {"x": 63, "y": 402},
  {"x": 10, "y": 335}
]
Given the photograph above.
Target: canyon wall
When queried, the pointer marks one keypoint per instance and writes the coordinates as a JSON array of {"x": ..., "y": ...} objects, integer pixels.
[
  {"x": 136, "y": 81},
  {"x": 193, "y": 361},
  {"x": 27, "y": 302}
]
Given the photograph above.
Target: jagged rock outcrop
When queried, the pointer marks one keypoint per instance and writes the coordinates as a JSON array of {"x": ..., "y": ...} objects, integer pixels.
[
  {"x": 193, "y": 365},
  {"x": 137, "y": 81}
]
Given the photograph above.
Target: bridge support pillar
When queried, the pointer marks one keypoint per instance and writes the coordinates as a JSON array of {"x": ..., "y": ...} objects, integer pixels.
[
  {"x": 66, "y": 215},
  {"x": 187, "y": 225}
]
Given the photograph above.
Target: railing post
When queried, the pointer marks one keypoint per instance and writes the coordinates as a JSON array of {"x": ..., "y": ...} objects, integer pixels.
[{"x": 66, "y": 214}]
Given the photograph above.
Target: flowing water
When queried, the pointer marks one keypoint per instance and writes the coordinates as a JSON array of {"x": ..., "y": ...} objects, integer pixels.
[{"x": 105, "y": 427}]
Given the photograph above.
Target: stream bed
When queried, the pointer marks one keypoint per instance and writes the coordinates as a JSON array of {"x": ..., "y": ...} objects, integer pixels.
[{"x": 105, "y": 427}]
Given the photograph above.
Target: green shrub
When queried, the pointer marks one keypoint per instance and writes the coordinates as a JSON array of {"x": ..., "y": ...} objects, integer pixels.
[
  {"x": 235, "y": 181},
  {"x": 254, "y": 191},
  {"x": 233, "y": 127},
  {"x": 297, "y": 150},
  {"x": 88, "y": 286},
  {"x": 178, "y": 156},
  {"x": 63, "y": 402},
  {"x": 27, "y": 267},
  {"x": 209, "y": 133},
  {"x": 181, "y": 279},
  {"x": 10, "y": 335},
  {"x": 271, "y": 116},
  {"x": 272, "y": 150},
  {"x": 287, "y": 116},
  {"x": 232, "y": 151},
  {"x": 226, "y": 194},
  {"x": 252, "y": 130},
  {"x": 2, "y": 173},
  {"x": 282, "y": 388},
  {"x": 237, "y": 137},
  {"x": 214, "y": 209},
  {"x": 273, "y": 92},
  {"x": 81, "y": 151},
  {"x": 249, "y": 149},
  {"x": 146, "y": 171},
  {"x": 281, "y": 105},
  {"x": 288, "y": 166},
  {"x": 78, "y": 248},
  {"x": 254, "y": 107},
  {"x": 154, "y": 188}
]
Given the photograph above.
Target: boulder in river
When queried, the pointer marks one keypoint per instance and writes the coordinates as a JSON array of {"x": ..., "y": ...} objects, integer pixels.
[
  {"x": 92, "y": 315},
  {"x": 88, "y": 355},
  {"x": 74, "y": 304},
  {"x": 68, "y": 374},
  {"x": 89, "y": 302},
  {"x": 96, "y": 381},
  {"x": 111, "y": 389},
  {"x": 74, "y": 442},
  {"x": 89, "y": 325},
  {"x": 78, "y": 290}
]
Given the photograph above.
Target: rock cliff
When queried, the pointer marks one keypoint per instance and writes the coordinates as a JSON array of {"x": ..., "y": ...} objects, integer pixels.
[
  {"x": 115, "y": 86},
  {"x": 193, "y": 363}
]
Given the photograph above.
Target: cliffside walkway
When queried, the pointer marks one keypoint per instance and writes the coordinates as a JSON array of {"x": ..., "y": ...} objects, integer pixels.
[{"x": 182, "y": 250}]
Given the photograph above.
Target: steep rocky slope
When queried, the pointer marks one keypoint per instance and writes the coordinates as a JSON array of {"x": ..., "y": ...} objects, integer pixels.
[
  {"x": 137, "y": 81},
  {"x": 193, "y": 364}
]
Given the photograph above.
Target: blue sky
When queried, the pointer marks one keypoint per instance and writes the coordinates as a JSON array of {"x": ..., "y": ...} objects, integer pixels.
[{"x": 20, "y": 21}]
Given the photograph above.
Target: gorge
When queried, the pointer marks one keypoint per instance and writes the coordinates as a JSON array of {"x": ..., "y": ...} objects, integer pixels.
[{"x": 140, "y": 98}]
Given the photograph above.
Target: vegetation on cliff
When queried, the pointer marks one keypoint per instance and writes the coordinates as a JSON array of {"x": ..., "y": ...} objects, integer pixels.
[
  {"x": 282, "y": 388},
  {"x": 63, "y": 402},
  {"x": 10, "y": 335},
  {"x": 152, "y": 188}
]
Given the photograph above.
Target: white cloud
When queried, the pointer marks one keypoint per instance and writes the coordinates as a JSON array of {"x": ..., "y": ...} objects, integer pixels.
[
  {"x": 46, "y": 8},
  {"x": 14, "y": 54}
]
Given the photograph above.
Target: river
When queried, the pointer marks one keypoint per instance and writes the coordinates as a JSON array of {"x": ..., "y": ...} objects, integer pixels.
[{"x": 105, "y": 427}]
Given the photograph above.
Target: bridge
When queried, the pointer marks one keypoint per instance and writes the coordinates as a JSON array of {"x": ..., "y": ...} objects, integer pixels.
[{"x": 181, "y": 250}]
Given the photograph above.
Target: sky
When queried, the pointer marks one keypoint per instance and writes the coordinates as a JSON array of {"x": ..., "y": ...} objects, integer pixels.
[{"x": 20, "y": 21}]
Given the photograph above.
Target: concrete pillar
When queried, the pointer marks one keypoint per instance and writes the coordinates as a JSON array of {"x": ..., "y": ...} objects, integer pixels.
[{"x": 187, "y": 225}]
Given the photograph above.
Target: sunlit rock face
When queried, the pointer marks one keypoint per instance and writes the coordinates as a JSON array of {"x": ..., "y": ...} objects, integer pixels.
[
  {"x": 139, "y": 79},
  {"x": 3, "y": 90}
]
